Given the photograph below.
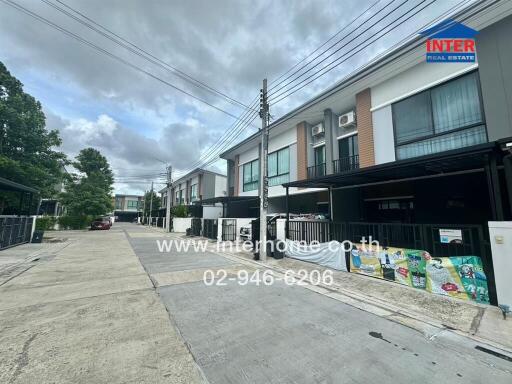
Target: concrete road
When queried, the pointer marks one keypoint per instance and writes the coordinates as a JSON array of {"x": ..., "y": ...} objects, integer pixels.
[
  {"x": 290, "y": 334},
  {"x": 110, "y": 308}
]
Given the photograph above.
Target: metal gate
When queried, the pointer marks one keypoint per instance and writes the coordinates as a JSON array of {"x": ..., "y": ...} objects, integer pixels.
[
  {"x": 15, "y": 230},
  {"x": 210, "y": 228},
  {"x": 228, "y": 229},
  {"x": 196, "y": 226}
]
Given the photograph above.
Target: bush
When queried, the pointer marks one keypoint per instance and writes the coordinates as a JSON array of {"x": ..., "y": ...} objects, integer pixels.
[
  {"x": 74, "y": 222},
  {"x": 46, "y": 223},
  {"x": 179, "y": 211}
]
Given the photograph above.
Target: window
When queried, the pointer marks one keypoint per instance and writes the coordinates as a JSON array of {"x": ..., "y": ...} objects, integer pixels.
[
  {"x": 193, "y": 192},
  {"x": 251, "y": 175},
  {"x": 348, "y": 154},
  {"x": 118, "y": 204},
  {"x": 445, "y": 117},
  {"x": 133, "y": 204},
  {"x": 319, "y": 169},
  {"x": 279, "y": 167}
]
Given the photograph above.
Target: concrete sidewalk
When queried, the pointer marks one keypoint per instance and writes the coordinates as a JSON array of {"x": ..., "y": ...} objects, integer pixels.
[{"x": 90, "y": 314}]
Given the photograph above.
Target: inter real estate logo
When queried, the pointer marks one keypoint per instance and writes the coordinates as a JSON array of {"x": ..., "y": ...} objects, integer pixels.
[{"x": 450, "y": 42}]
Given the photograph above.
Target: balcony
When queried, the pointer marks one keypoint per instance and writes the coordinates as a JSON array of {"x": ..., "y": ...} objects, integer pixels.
[
  {"x": 316, "y": 171},
  {"x": 346, "y": 164}
]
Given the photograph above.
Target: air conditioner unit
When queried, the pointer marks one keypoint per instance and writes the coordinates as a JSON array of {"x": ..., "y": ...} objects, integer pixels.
[
  {"x": 317, "y": 129},
  {"x": 347, "y": 119}
]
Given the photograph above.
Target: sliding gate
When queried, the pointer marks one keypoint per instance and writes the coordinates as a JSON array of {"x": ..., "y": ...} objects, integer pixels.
[{"x": 14, "y": 231}]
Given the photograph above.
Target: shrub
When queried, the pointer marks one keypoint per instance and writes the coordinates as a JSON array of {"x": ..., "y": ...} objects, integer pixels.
[
  {"x": 179, "y": 211},
  {"x": 45, "y": 223},
  {"x": 74, "y": 222}
]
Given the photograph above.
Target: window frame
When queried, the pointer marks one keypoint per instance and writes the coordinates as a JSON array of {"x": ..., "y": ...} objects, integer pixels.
[
  {"x": 251, "y": 163},
  {"x": 131, "y": 207},
  {"x": 193, "y": 197},
  {"x": 434, "y": 135},
  {"x": 278, "y": 174}
]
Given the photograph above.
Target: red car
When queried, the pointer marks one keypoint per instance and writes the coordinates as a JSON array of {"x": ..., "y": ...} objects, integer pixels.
[{"x": 101, "y": 223}]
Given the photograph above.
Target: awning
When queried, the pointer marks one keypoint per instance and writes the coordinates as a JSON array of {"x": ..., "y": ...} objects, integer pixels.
[
  {"x": 8, "y": 185},
  {"x": 459, "y": 161},
  {"x": 226, "y": 199}
]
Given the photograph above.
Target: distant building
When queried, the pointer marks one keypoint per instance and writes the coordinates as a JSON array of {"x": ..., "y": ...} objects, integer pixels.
[{"x": 128, "y": 207}]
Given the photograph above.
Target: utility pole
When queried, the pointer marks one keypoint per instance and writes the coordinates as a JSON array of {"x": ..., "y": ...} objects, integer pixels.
[
  {"x": 168, "y": 202},
  {"x": 263, "y": 171},
  {"x": 144, "y": 209},
  {"x": 151, "y": 206}
]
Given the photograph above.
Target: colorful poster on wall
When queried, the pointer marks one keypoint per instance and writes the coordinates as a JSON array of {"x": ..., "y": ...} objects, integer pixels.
[{"x": 459, "y": 276}]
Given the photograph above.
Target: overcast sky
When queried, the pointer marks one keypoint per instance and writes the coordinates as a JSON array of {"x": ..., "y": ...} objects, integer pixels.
[{"x": 139, "y": 123}]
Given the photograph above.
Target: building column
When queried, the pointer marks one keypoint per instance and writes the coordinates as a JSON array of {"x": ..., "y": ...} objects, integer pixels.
[
  {"x": 237, "y": 175},
  {"x": 365, "y": 128},
  {"x": 302, "y": 151},
  {"x": 329, "y": 130}
]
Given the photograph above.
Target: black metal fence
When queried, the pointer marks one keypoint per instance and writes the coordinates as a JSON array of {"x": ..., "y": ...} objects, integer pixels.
[
  {"x": 475, "y": 239},
  {"x": 196, "y": 226},
  {"x": 210, "y": 228},
  {"x": 228, "y": 229},
  {"x": 346, "y": 164},
  {"x": 316, "y": 171},
  {"x": 15, "y": 230}
]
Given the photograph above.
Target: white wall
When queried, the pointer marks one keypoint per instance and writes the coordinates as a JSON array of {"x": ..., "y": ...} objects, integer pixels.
[
  {"x": 180, "y": 224},
  {"x": 422, "y": 76},
  {"x": 383, "y": 135},
  {"x": 212, "y": 212},
  {"x": 221, "y": 186},
  {"x": 501, "y": 246},
  {"x": 281, "y": 229}
]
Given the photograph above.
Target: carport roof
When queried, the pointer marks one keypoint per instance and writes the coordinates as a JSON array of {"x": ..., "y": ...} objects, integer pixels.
[
  {"x": 226, "y": 199},
  {"x": 465, "y": 160},
  {"x": 8, "y": 185}
]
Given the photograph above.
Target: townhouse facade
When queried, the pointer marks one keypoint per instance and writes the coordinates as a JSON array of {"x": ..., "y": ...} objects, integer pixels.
[
  {"x": 398, "y": 107},
  {"x": 403, "y": 147},
  {"x": 195, "y": 186},
  {"x": 127, "y": 207}
]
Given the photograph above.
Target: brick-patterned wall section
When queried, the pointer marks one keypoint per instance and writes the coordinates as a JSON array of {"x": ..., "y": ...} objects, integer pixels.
[
  {"x": 237, "y": 175},
  {"x": 365, "y": 128},
  {"x": 302, "y": 152}
]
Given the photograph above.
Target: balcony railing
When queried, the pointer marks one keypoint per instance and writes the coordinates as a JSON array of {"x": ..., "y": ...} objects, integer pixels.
[
  {"x": 316, "y": 171},
  {"x": 346, "y": 164}
]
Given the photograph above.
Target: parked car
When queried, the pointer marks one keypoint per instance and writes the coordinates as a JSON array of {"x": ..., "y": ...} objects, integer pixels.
[{"x": 101, "y": 223}]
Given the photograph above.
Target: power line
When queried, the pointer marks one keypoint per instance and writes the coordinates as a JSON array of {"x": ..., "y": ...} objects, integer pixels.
[
  {"x": 344, "y": 45},
  {"x": 326, "y": 68},
  {"x": 115, "y": 57},
  {"x": 119, "y": 40},
  {"x": 342, "y": 39}
]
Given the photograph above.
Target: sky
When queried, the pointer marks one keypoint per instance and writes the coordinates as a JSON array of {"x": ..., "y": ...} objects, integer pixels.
[{"x": 141, "y": 124}]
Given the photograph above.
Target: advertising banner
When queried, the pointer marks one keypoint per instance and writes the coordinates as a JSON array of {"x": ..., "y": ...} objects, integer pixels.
[{"x": 458, "y": 276}]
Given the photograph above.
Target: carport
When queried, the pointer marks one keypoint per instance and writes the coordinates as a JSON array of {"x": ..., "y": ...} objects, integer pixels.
[
  {"x": 408, "y": 203},
  {"x": 16, "y": 207}
]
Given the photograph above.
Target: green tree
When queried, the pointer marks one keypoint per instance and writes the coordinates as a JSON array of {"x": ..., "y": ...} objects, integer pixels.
[
  {"x": 90, "y": 191},
  {"x": 27, "y": 153},
  {"x": 156, "y": 202}
]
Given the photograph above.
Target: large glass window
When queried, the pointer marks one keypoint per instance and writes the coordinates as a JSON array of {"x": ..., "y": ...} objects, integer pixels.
[
  {"x": 193, "y": 192},
  {"x": 279, "y": 167},
  {"x": 319, "y": 169},
  {"x": 133, "y": 204},
  {"x": 251, "y": 175},
  {"x": 445, "y": 117}
]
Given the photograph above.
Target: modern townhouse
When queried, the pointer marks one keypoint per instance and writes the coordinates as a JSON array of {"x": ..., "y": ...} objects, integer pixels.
[
  {"x": 127, "y": 207},
  {"x": 196, "y": 185},
  {"x": 423, "y": 147}
]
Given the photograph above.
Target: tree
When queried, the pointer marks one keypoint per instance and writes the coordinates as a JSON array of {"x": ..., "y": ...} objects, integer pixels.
[
  {"x": 90, "y": 192},
  {"x": 27, "y": 153},
  {"x": 156, "y": 202}
]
